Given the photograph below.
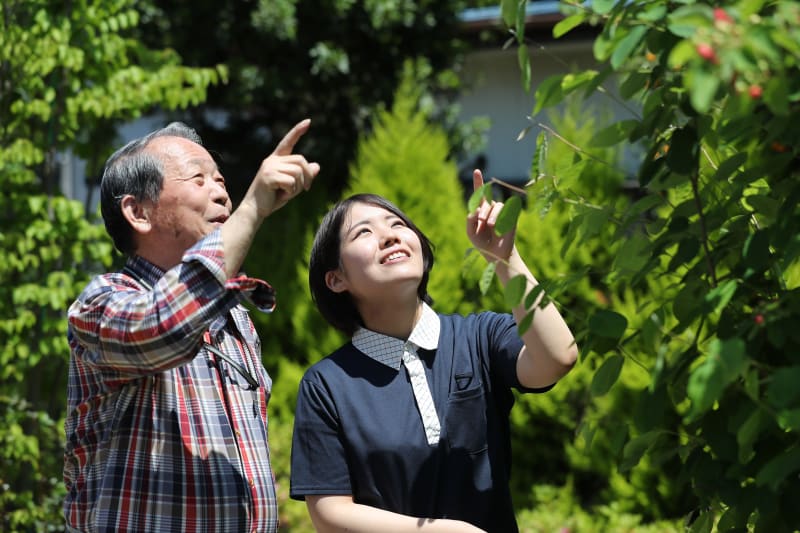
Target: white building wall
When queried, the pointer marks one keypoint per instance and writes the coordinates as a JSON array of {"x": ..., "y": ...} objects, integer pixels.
[{"x": 494, "y": 90}]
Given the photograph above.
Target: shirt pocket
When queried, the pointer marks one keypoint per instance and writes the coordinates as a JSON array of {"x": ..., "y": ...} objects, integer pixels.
[{"x": 466, "y": 420}]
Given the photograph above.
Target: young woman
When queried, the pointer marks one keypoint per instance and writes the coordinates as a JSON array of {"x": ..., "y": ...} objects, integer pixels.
[{"x": 405, "y": 427}]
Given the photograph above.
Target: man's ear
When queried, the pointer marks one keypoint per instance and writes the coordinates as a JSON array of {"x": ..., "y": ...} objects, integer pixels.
[
  {"x": 136, "y": 213},
  {"x": 335, "y": 282}
]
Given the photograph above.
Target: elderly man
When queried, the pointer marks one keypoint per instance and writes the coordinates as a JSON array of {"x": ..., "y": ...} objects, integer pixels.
[{"x": 167, "y": 397}]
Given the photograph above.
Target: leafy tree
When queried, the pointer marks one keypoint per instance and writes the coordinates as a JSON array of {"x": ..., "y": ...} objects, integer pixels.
[
  {"x": 716, "y": 87},
  {"x": 291, "y": 59},
  {"x": 67, "y": 71}
]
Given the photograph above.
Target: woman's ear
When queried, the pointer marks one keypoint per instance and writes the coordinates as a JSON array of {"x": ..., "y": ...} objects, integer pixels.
[
  {"x": 137, "y": 214},
  {"x": 334, "y": 281}
]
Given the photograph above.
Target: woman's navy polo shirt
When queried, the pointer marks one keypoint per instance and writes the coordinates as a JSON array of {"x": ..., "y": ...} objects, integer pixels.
[{"x": 357, "y": 429}]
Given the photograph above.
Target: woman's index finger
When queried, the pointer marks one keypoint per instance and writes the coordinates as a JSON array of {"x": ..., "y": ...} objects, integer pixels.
[{"x": 477, "y": 179}]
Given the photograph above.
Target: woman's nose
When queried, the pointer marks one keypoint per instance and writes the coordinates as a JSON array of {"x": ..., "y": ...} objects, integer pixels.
[{"x": 389, "y": 237}]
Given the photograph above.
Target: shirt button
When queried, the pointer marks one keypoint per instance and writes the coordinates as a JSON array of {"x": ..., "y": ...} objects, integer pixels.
[{"x": 252, "y": 483}]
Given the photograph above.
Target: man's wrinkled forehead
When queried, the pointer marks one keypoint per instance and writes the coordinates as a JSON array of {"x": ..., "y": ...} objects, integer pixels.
[{"x": 181, "y": 151}]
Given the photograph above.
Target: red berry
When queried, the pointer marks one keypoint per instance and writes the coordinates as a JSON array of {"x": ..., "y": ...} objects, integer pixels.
[
  {"x": 755, "y": 92},
  {"x": 720, "y": 15},
  {"x": 779, "y": 147},
  {"x": 758, "y": 319},
  {"x": 705, "y": 51}
]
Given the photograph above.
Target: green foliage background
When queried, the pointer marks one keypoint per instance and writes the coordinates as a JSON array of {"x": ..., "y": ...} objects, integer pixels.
[
  {"x": 715, "y": 88},
  {"x": 683, "y": 295},
  {"x": 67, "y": 74}
]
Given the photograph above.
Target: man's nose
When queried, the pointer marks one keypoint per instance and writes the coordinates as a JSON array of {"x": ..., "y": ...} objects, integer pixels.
[{"x": 219, "y": 193}]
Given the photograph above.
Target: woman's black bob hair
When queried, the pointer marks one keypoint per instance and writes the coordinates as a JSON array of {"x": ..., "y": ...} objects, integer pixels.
[{"x": 338, "y": 308}]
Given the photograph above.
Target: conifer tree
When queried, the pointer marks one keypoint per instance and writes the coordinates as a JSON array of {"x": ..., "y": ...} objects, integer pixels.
[{"x": 405, "y": 158}]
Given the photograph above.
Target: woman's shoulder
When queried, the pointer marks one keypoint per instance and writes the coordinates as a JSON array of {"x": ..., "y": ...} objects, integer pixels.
[
  {"x": 456, "y": 320},
  {"x": 333, "y": 362}
]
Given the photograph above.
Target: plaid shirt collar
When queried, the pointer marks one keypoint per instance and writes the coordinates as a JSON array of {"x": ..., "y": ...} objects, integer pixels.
[
  {"x": 389, "y": 350},
  {"x": 143, "y": 271}
]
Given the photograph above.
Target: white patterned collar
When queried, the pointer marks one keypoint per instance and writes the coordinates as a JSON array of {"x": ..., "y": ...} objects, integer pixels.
[{"x": 389, "y": 350}]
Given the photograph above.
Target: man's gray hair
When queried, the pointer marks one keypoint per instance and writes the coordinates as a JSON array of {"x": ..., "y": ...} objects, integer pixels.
[{"x": 132, "y": 170}]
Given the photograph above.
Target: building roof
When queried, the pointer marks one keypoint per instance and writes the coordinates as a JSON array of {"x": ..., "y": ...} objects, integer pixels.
[{"x": 538, "y": 14}]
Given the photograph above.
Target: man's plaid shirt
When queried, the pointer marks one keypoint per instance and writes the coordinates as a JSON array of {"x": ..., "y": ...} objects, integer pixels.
[{"x": 162, "y": 434}]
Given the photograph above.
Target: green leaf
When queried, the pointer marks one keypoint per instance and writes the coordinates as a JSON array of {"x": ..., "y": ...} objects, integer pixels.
[
  {"x": 763, "y": 205},
  {"x": 606, "y": 375},
  {"x": 776, "y": 96},
  {"x": 704, "y": 523},
  {"x": 632, "y": 84},
  {"x": 750, "y": 7},
  {"x": 729, "y": 166},
  {"x": 533, "y": 295},
  {"x": 603, "y": 7},
  {"x": 526, "y": 322},
  {"x": 688, "y": 303},
  {"x": 725, "y": 362},
  {"x": 627, "y": 45},
  {"x": 515, "y": 290},
  {"x": 608, "y": 324},
  {"x": 507, "y": 219},
  {"x": 756, "y": 254},
  {"x": 603, "y": 46},
  {"x": 645, "y": 204},
  {"x": 520, "y": 22},
  {"x": 703, "y": 84},
  {"x": 573, "y": 81},
  {"x": 789, "y": 420},
  {"x": 685, "y": 21},
  {"x": 614, "y": 134},
  {"x": 539, "y": 156},
  {"x": 748, "y": 433},
  {"x": 483, "y": 193},
  {"x": 593, "y": 223},
  {"x": 635, "y": 449},
  {"x": 524, "y": 66},
  {"x": 486, "y": 278},
  {"x": 651, "y": 332},
  {"x": 508, "y": 10},
  {"x": 567, "y": 24},
  {"x": 632, "y": 255},
  {"x": 681, "y": 54},
  {"x": 779, "y": 468},
  {"x": 684, "y": 150},
  {"x": 719, "y": 297},
  {"x": 687, "y": 251},
  {"x": 653, "y": 13},
  {"x": 586, "y": 432},
  {"x": 782, "y": 390},
  {"x": 548, "y": 93}
]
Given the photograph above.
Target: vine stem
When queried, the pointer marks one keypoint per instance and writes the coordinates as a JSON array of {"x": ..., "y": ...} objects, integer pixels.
[
  {"x": 575, "y": 147},
  {"x": 693, "y": 179}
]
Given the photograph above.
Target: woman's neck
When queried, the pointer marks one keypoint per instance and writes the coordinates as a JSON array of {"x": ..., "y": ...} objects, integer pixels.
[{"x": 395, "y": 318}]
